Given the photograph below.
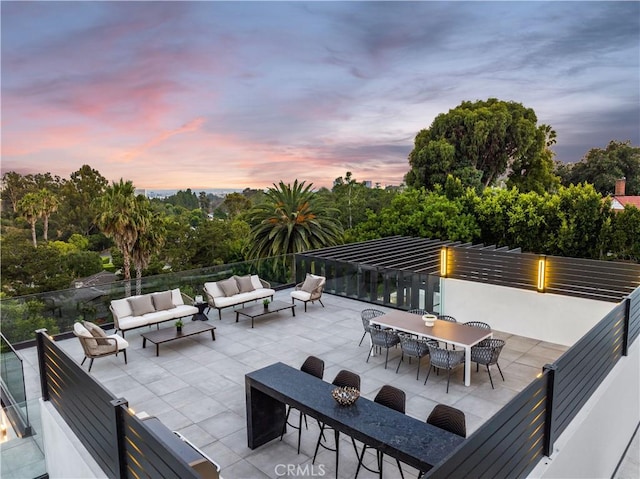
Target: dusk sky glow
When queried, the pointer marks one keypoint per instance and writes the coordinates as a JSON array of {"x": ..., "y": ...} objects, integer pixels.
[{"x": 230, "y": 95}]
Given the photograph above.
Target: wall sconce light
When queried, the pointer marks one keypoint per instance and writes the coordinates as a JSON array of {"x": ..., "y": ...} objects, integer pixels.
[
  {"x": 542, "y": 273},
  {"x": 443, "y": 262}
]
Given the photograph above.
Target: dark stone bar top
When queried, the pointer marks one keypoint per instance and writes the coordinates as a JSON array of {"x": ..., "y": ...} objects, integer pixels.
[{"x": 408, "y": 439}]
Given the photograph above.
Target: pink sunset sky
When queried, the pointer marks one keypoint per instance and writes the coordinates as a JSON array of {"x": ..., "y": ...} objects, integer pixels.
[{"x": 176, "y": 95}]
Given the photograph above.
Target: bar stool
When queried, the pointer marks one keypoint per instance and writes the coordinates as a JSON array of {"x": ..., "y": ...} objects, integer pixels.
[
  {"x": 344, "y": 378},
  {"x": 315, "y": 367},
  {"x": 392, "y": 398}
]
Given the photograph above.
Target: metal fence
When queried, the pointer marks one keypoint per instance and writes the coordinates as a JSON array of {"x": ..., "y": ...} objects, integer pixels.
[
  {"x": 514, "y": 440},
  {"x": 119, "y": 442}
]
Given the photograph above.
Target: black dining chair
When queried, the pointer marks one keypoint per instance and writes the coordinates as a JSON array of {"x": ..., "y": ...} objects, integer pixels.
[
  {"x": 344, "y": 378},
  {"x": 315, "y": 367},
  {"x": 444, "y": 359},
  {"x": 367, "y": 315},
  {"x": 383, "y": 338},
  {"x": 392, "y": 398},
  {"x": 413, "y": 348},
  {"x": 487, "y": 352}
]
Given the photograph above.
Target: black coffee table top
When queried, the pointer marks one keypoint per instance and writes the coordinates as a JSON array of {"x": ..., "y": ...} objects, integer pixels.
[
  {"x": 169, "y": 334},
  {"x": 411, "y": 440},
  {"x": 259, "y": 309}
]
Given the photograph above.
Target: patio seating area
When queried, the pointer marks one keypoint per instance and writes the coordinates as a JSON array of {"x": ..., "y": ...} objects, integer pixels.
[{"x": 197, "y": 386}]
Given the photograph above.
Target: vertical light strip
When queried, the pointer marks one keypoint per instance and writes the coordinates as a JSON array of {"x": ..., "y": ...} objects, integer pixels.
[
  {"x": 443, "y": 262},
  {"x": 542, "y": 273}
]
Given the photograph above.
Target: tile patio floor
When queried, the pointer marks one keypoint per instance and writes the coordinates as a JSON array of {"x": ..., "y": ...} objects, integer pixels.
[{"x": 196, "y": 385}]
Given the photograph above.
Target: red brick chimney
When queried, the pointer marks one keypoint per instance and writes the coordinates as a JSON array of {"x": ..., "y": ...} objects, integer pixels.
[{"x": 620, "y": 186}]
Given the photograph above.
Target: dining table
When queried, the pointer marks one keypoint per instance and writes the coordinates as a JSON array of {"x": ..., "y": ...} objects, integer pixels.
[{"x": 449, "y": 332}]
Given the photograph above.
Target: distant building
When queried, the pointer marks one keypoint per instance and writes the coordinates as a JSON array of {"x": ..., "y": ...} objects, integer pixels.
[
  {"x": 620, "y": 200},
  {"x": 141, "y": 191},
  {"x": 367, "y": 183}
]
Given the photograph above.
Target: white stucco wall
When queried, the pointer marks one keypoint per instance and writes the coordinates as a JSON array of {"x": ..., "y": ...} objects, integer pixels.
[
  {"x": 547, "y": 317},
  {"x": 592, "y": 445},
  {"x": 65, "y": 456}
]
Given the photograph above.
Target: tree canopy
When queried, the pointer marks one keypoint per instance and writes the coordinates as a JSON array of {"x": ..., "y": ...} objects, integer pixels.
[
  {"x": 479, "y": 142},
  {"x": 602, "y": 167}
]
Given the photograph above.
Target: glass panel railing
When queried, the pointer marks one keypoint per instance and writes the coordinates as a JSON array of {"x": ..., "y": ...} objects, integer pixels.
[
  {"x": 56, "y": 311},
  {"x": 23, "y": 456},
  {"x": 14, "y": 397}
]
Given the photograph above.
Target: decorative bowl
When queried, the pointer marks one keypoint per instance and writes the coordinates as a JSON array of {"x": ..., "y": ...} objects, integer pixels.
[
  {"x": 429, "y": 320},
  {"x": 345, "y": 396}
]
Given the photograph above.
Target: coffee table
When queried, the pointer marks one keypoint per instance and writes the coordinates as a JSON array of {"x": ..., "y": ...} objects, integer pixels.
[
  {"x": 259, "y": 310},
  {"x": 170, "y": 334}
]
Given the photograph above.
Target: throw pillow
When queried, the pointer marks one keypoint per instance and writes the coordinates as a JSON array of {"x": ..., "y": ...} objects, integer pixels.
[
  {"x": 310, "y": 283},
  {"x": 255, "y": 281},
  {"x": 141, "y": 305},
  {"x": 229, "y": 287},
  {"x": 98, "y": 333},
  {"x": 244, "y": 284},
  {"x": 162, "y": 301}
]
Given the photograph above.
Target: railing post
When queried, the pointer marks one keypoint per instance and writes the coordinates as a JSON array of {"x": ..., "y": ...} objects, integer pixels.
[
  {"x": 44, "y": 386},
  {"x": 549, "y": 434},
  {"x": 625, "y": 331},
  {"x": 119, "y": 408}
]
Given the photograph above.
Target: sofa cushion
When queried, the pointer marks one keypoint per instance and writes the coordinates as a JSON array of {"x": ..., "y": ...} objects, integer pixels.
[
  {"x": 229, "y": 286},
  {"x": 213, "y": 290},
  {"x": 121, "y": 308},
  {"x": 245, "y": 284},
  {"x": 310, "y": 283},
  {"x": 83, "y": 332},
  {"x": 97, "y": 332},
  {"x": 301, "y": 295},
  {"x": 162, "y": 301},
  {"x": 176, "y": 297},
  {"x": 255, "y": 280},
  {"x": 141, "y": 305}
]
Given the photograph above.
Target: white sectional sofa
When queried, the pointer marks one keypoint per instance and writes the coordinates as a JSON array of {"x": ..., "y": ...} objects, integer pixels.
[
  {"x": 236, "y": 290},
  {"x": 152, "y": 308}
]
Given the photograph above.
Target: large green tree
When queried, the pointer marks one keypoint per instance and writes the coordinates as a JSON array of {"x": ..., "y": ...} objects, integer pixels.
[
  {"x": 77, "y": 210},
  {"x": 292, "y": 219},
  {"x": 602, "y": 167},
  {"x": 118, "y": 219},
  {"x": 478, "y": 142}
]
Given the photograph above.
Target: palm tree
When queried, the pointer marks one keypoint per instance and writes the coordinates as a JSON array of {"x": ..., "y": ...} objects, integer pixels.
[
  {"x": 29, "y": 206},
  {"x": 291, "y": 220},
  {"x": 48, "y": 204},
  {"x": 149, "y": 241},
  {"x": 118, "y": 219}
]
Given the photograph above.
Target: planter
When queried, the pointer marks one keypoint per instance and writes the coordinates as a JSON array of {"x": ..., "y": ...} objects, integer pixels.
[{"x": 179, "y": 328}]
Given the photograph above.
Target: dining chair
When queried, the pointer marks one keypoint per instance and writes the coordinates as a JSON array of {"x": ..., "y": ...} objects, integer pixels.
[
  {"x": 392, "y": 398},
  {"x": 315, "y": 367},
  {"x": 414, "y": 348},
  {"x": 344, "y": 378},
  {"x": 445, "y": 317},
  {"x": 487, "y": 353},
  {"x": 444, "y": 359},
  {"x": 367, "y": 315},
  {"x": 383, "y": 338}
]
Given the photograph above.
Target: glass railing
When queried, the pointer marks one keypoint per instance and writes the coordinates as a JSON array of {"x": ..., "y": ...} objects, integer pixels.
[
  {"x": 14, "y": 397},
  {"x": 58, "y": 310},
  {"x": 23, "y": 456}
]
